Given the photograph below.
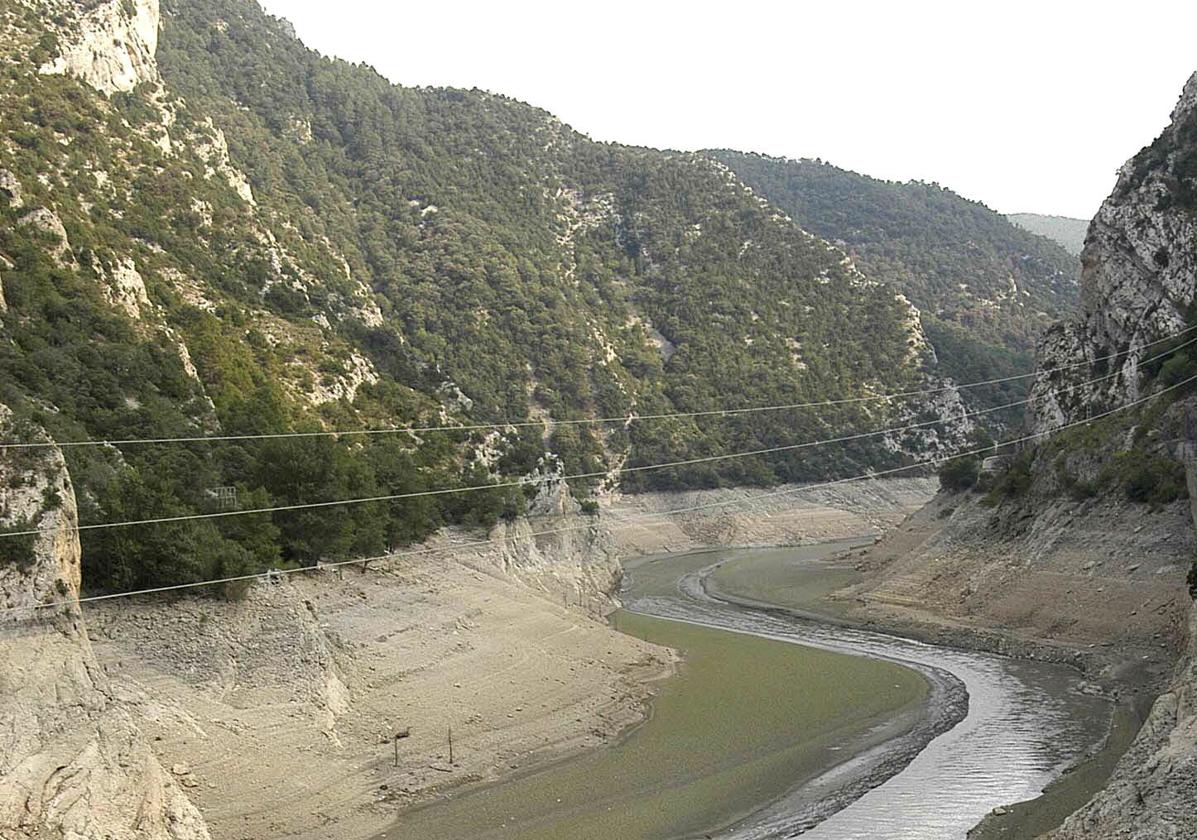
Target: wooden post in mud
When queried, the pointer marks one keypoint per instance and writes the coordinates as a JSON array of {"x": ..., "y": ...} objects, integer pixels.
[
  {"x": 450, "y": 745},
  {"x": 396, "y": 742}
]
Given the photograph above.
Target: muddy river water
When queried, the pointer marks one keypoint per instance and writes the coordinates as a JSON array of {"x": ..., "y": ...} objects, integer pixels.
[
  {"x": 1006, "y": 728},
  {"x": 777, "y": 725}
]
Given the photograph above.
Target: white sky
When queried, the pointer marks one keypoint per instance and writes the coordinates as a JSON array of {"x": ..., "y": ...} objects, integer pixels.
[{"x": 1027, "y": 106}]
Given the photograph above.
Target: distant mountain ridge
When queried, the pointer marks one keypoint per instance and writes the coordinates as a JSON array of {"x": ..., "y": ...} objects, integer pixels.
[
  {"x": 1070, "y": 233},
  {"x": 986, "y": 288}
]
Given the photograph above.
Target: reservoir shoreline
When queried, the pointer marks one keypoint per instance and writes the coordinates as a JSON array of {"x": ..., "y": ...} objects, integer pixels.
[
  {"x": 1077, "y": 781},
  {"x": 811, "y": 796},
  {"x": 753, "y": 740}
]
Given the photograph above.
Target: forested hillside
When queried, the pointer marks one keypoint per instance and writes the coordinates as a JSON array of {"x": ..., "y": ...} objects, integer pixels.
[
  {"x": 986, "y": 288},
  {"x": 1069, "y": 233},
  {"x": 206, "y": 228}
]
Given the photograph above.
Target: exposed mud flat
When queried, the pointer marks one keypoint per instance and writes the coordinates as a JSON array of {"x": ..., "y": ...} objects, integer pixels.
[
  {"x": 744, "y": 718},
  {"x": 658, "y": 523},
  {"x": 276, "y": 715}
]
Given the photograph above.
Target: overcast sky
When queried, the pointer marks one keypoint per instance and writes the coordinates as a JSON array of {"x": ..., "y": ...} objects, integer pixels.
[{"x": 1027, "y": 106}]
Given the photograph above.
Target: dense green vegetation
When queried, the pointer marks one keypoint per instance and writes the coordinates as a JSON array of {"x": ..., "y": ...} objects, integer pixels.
[
  {"x": 1129, "y": 454},
  {"x": 959, "y": 474},
  {"x": 410, "y": 255},
  {"x": 986, "y": 288}
]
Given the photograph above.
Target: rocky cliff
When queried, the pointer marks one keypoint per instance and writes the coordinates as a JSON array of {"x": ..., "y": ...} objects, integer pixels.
[
  {"x": 72, "y": 762},
  {"x": 110, "y": 45},
  {"x": 1138, "y": 279},
  {"x": 1139, "y": 284},
  {"x": 1078, "y": 545}
]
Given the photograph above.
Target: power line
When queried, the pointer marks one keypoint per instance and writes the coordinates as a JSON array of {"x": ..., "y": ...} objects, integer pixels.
[
  {"x": 869, "y": 476},
  {"x": 393, "y": 497},
  {"x": 517, "y": 424}
]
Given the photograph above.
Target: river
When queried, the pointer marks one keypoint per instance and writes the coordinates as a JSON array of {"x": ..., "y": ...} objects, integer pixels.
[
  {"x": 1024, "y": 722},
  {"x": 778, "y": 725}
]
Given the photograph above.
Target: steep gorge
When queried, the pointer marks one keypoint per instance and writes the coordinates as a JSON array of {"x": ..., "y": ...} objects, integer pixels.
[
  {"x": 257, "y": 239},
  {"x": 1079, "y": 547},
  {"x": 1140, "y": 270}
]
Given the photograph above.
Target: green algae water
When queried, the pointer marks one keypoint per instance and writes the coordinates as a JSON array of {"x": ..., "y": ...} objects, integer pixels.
[
  {"x": 776, "y": 725},
  {"x": 744, "y": 719}
]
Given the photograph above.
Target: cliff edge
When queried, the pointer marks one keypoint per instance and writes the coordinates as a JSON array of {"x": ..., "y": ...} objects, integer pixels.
[{"x": 72, "y": 762}]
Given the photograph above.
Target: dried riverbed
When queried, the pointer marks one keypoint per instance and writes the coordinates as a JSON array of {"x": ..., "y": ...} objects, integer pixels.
[{"x": 786, "y": 724}]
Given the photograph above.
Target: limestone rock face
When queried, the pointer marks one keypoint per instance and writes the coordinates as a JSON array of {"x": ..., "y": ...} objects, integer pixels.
[
  {"x": 112, "y": 46},
  {"x": 72, "y": 762},
  {"x": 1153, "y": 792},
  {"x": 10, "y": 188},
  {"x": 210, "y": 144},
  {"x": 52, "y": 231},
  {"x": 1138, "y": 286},
  {"x": 1138, "y": 279},
  {"x": 126, "y": 289}
]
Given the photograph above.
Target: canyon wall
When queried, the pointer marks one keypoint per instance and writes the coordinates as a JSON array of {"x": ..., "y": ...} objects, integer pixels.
[{"x": 73, "y": 762}]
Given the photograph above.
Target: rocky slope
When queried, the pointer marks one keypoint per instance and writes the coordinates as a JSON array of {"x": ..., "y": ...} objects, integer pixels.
[
  {"x": 1153, "y": 792},
  {"x": 206, "y": 227},
  {"x": 73, "y": 762},
  {"x": 1140, "y": 281},
  {"x": 985, "y": 287},
  {"x": 1078, "y": 546}
]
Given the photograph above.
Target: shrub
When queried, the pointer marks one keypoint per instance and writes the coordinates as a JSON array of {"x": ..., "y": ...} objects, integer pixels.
[
  {"x": 1154, "y": 480},
  {"x": 959, "y": 474},
  {"x": 1014, "y": 481},
  {"x": 1177, "y": 370},
  {"x": 17, "y": 551}
]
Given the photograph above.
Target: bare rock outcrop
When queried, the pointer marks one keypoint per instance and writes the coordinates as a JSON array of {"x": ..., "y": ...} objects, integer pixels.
[
  {"x": 10, "y": 188},
  {"x": 126, "y": 289},
  {"x": 111, "y": 46},
  {"x": 1138, "y": 279},
  {"x": 1153, "y": 792},
  {"x": 52, "y": 232},
  {"x": 72, "y": 762},
  {"x": 5, "y": 265}
]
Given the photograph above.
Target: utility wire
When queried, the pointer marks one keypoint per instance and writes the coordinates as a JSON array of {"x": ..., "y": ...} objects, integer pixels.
[
  {"x": 392, "y": 497},
  {"x": 517, "y": 424},
  {"x": 869, "y": 476}
]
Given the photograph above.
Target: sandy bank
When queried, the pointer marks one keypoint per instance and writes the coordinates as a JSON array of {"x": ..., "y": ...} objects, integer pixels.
[
  {"x": 276, "y": 714},
  {"x": 647, "y": 523}
]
